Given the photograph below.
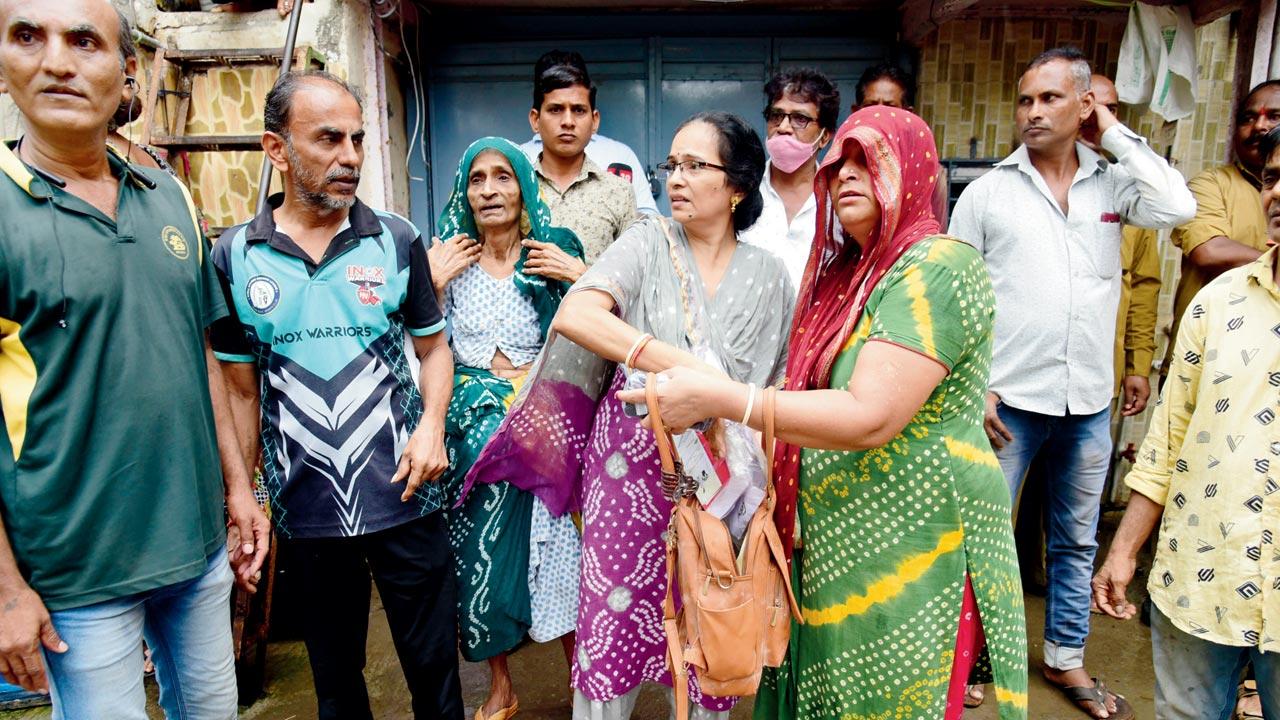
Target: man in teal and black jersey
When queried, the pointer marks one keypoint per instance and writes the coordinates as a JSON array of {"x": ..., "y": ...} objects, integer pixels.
[{"x": 323, "y": 290}]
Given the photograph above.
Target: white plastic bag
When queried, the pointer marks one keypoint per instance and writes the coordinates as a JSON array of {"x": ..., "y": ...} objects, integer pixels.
[{"x": 1157, "y": 63}]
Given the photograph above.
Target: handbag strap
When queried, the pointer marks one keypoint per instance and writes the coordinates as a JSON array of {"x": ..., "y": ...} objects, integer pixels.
[
  {"x": 670, "y": 466},
  {"x": 666, "y": 445},
  {"x": 675, "y": 646},
  {"x": 687, "y": 290},
  {"x": 769, "y": 410},
  {"x": 769, "y": 439}
]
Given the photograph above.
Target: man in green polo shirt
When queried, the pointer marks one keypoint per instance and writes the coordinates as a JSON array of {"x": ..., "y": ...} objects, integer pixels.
[{"x": 113, "y": 410}]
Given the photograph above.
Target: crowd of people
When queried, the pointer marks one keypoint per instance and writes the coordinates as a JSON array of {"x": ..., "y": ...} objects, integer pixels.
[{"x": 459, "y": 419}]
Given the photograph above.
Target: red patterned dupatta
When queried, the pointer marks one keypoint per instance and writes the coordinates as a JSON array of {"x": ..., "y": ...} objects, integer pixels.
[{"x": 902, "y": 160}]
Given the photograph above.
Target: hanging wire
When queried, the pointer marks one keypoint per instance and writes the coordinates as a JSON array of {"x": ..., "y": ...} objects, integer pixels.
[
  {"x": 393, "y": 6},
  {"x": 419, "y": 106}
]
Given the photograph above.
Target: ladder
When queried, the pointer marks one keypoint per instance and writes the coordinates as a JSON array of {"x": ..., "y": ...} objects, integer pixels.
[
  {"x": 164, "y": 130},
  {"x": 185, "y": 65}
]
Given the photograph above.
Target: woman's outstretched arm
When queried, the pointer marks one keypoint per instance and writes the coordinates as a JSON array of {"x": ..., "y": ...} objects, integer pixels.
[{"x": 889, "y": 386}]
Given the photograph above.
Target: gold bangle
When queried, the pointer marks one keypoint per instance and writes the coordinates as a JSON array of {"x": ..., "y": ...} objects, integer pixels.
[{"x": 634, "y": 352}]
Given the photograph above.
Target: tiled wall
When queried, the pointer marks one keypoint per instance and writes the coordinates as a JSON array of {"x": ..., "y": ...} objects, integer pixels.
[
  {"x": 968, "y": 76},
  {"x": 970, "y": 68},
  {"x": 225, "y": 102}
]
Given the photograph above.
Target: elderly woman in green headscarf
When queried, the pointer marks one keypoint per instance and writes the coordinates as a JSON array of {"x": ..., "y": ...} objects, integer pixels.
[{"x": 500, "y": 277}]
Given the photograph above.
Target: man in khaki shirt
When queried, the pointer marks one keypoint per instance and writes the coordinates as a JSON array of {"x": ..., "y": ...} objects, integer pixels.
[
  {"x": 1139, "y": 288},
  {"x": 1208, "y": 474},
  {"x": 594, "y": 204},
  {"x": 1136, "y": 318},
  {"x": 1229, "y": 229}
]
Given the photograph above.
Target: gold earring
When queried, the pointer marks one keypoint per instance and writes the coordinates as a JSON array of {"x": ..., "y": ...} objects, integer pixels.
[
  {"x": 526, "y": 225},
  {"x": 733, "y": 204}
]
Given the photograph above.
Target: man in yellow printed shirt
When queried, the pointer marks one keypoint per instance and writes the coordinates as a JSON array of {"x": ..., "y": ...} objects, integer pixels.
[{"x": 1209, "y": 474}]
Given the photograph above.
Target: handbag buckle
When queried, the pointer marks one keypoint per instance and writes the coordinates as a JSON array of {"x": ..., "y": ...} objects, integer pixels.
[{"x": 677, "y": 484}]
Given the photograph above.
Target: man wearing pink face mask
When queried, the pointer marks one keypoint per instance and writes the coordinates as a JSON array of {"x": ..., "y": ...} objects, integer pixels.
[{"x": 801, "y": 110}]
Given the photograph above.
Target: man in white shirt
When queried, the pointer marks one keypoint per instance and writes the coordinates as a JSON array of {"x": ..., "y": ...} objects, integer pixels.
[
  {"x": 1048, "y": 221},
  {"x": 616, "y": 158},
  {"x": 801, "y": 110}
]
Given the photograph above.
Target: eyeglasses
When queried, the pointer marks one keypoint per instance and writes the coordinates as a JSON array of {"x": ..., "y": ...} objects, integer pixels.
[
  {"x": 799, "y": 121},
  {"x": 691, "y": 168}
]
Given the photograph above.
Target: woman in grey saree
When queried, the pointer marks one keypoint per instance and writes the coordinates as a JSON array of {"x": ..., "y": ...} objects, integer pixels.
[{"x": 710, "y": 303}]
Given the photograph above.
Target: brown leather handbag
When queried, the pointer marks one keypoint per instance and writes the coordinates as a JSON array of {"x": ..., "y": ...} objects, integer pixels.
[{"x": 736, "y": 606}]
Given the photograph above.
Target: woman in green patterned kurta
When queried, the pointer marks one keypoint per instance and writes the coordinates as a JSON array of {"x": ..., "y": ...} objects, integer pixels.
[{"x": 908, "y": 557}]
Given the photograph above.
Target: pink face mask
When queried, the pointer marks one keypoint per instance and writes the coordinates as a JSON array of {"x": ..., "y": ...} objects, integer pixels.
[{"x": 788, "y": 154}]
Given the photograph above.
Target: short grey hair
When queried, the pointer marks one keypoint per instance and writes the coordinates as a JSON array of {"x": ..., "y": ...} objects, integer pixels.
[
  {"x": 1081, "y": 73},
  {"x": 275, "y": 111}
]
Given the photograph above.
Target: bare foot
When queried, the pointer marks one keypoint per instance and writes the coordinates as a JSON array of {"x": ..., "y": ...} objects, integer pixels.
[{"x": 501, "y": 694}]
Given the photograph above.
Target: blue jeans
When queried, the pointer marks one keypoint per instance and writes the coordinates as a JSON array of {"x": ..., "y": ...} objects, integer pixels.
[
  {"x": 1075, "y": 451},
  {"x": 1196, "y": 679},
  {"x": 187, "y": 625}
]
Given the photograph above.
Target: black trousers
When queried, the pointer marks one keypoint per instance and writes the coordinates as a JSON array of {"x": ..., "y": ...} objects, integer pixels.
[{"x": 412, "y": 567}]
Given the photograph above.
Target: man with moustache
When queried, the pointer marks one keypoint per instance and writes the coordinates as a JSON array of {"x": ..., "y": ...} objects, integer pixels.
[
  {"x": 115, "y": 413},
  {"x": 324, "y": 290},
  {"x": 1135, "y": 344},
  {"x": 1229, "y": 229},
  {"x": 801, "y": 109},
  {"x": 1048, "y": 221},
  {"x": 1206, "y": 476}
]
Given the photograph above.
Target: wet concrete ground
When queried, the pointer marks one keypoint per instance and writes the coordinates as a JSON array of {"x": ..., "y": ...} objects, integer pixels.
[{"x": 1119, "y": 651}]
